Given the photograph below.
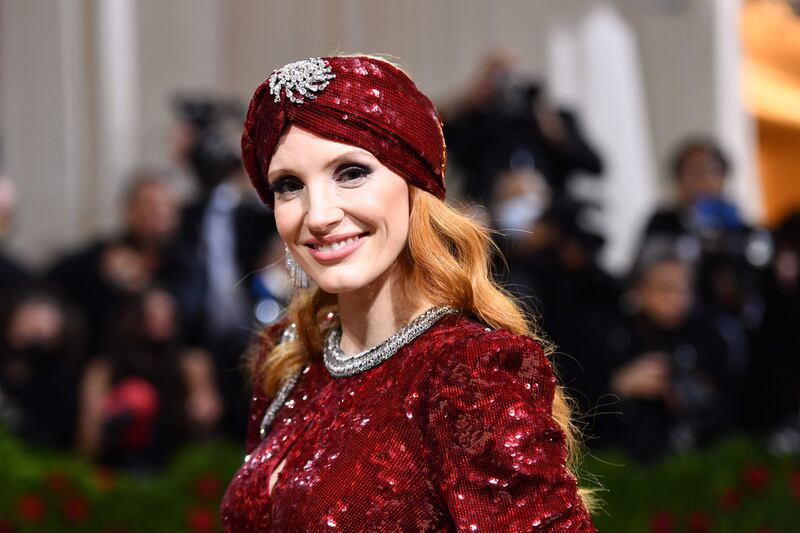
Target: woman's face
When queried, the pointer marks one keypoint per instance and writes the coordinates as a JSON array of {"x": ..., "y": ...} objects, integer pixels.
[{"x": 342, "y": 213}]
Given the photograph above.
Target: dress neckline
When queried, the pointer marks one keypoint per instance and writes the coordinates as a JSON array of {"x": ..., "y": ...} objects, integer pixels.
[{"x": 340, "y": 365}]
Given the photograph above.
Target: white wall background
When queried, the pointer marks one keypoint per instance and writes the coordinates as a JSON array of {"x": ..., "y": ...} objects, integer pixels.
[{"x": 85, "y": 84}]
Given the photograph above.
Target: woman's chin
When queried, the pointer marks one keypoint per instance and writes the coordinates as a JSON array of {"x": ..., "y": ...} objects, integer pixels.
[
  {"x": 349, "y": 278},
  {"x": 339, "y": 286},
  {"x": 348, "y": 282}
]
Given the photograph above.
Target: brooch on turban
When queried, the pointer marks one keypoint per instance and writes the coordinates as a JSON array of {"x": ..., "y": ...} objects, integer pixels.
[{"x": 303, "y": 78}]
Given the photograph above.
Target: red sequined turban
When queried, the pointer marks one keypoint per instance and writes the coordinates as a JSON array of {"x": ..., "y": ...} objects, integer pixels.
[{"x": 361, "y": 101}]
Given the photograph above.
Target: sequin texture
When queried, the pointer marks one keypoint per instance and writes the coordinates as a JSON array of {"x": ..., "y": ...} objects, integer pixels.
[
  {"x": 445, "y": 435},
  {"x": 357, "y": 100}
]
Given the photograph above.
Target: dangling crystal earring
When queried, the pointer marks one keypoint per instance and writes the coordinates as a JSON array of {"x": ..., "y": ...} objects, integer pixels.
[{"x": 296, "y": 272}]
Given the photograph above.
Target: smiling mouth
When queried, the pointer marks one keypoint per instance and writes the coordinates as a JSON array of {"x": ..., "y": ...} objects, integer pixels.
[{"x": 332, "y": 247}]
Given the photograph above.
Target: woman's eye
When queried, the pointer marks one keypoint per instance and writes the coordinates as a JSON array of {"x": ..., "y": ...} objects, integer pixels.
[
  {"x": 283, "y": 187},
  {"x": 352, "y": 174}
]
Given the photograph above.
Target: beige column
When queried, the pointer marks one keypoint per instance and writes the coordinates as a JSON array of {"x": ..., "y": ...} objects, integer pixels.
[
  {"x": 42, "y": 119},
  {"x": 117, "y": 103},
  {"x": 733, "y": 124}
]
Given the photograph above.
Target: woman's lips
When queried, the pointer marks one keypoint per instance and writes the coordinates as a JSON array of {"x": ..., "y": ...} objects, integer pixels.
[{"x": 337, "y": 253}]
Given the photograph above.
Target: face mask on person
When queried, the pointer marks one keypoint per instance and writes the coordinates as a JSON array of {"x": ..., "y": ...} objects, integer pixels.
[
  {"x": 25, "y": 363},
  {"x": 37, "y": 354},
  {"x": 516, "y": 216}
]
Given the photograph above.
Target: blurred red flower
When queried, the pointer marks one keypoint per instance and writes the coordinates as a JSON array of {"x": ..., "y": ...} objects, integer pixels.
[
  {"x": 57, "y": 481},
  {"x": 730, "y": 499},
  {"x": 208, "y": 486},
  {"x": 756, "y": 477},
  {"x": 794, "y": 484},
  {"x": 76, "y": 509},
  {"x": 699, "y": 522},
  {"x": 662, "y": 522},
  {"x": 200, "y": 520},
  {"x": 31, "y": 508}
]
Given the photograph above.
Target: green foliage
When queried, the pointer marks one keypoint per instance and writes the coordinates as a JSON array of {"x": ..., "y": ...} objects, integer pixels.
[
  {"x": 44, "y": 491},
  {"x": 734, "y": 486}
]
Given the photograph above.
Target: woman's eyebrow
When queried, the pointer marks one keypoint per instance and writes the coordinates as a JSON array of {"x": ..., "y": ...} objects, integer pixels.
[
  {"x": 279, "y": 172},
  {"x": 347, "y": 155},
  {"x": 333, "y": 162}
]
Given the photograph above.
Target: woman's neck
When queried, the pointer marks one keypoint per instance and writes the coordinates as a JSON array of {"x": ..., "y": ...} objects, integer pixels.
[{"x": 372, "y": 314}]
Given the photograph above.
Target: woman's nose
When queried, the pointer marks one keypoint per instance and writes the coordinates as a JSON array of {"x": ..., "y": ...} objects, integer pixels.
[{"x": 324, "y": 211}]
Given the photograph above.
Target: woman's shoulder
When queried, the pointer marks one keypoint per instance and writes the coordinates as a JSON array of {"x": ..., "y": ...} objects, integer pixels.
[
  {"x": 493, "y": 442},
  {"x": 472, "y": 337},
  {"x": 462, "y": 341}
]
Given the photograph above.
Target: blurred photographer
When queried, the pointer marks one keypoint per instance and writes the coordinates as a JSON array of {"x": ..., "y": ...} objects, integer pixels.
[
  {"x": 553, "y": 265},
  {"x": 506, "y": 118},
  {"x": 102, "y": 275},
  {"x": 147, "y": 393},
  {"x": 730, "y": 255},
  {"x": 700, "y": 170},
  {"x": 40, "y": 354},
  {"x": 668, "y": 367},
  {"x": 775, "y": 367},
  {"x": 231, "y": 235}
]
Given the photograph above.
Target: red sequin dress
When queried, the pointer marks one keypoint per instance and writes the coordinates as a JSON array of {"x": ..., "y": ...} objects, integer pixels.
[{"x": 453, "y": 433}]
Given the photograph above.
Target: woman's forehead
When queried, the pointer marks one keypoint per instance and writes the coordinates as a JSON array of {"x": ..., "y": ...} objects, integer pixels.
[
  {"x": 299, "y": 145},
  {"x": 298, "y": 135}
]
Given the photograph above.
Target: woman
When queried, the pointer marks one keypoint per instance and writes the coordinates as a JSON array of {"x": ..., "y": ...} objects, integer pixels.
[{"x": 406, "y": 391}]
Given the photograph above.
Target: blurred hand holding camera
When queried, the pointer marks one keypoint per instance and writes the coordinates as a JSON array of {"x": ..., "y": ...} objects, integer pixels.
[{"x": 647, "y": 377}]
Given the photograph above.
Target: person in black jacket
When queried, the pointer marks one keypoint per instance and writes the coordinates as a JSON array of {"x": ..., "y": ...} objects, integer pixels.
[
  {"x": 507, "y": 121},
  {"x": 147, "y": 393},
  {"x": 40, "y": 361},
  {"x": 554, "y": 267},
  {"x": 102, "y": 275},
  {"x": 667, "y": 366},
  {"x": 229, "y": 234},
  {"x": 774, "y": 400},
  {"x": 729, "y": 254}
]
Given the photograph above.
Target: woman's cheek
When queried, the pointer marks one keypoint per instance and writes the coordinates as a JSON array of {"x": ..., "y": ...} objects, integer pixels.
[{"x": 287, "y": 223}]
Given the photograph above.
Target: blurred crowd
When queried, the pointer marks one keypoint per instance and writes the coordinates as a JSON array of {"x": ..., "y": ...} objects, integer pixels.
[{"x": 131, "y": 345}]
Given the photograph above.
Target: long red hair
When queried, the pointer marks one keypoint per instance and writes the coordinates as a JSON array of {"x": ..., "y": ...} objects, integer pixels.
[{"x": 447, "y": 261}]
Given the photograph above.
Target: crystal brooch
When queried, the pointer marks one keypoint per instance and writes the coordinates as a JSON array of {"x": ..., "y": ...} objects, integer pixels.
[{"x": 301, "y": 80}]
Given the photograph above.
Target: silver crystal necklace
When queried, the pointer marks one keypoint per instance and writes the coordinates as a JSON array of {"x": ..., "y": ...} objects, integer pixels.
[{"x": 340, "y": 365}]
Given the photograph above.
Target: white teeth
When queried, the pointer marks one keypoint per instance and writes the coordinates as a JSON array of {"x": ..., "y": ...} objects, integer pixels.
[{"x": 336, "y": 245}]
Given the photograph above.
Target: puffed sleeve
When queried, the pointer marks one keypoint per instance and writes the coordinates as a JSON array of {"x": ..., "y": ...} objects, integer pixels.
[{"x": 497, "y": 456}]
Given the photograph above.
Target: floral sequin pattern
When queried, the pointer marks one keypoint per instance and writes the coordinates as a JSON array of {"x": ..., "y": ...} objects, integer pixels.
[
  {"x": 500, "y": 451},
  {"x": 367, "y": 101}
]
